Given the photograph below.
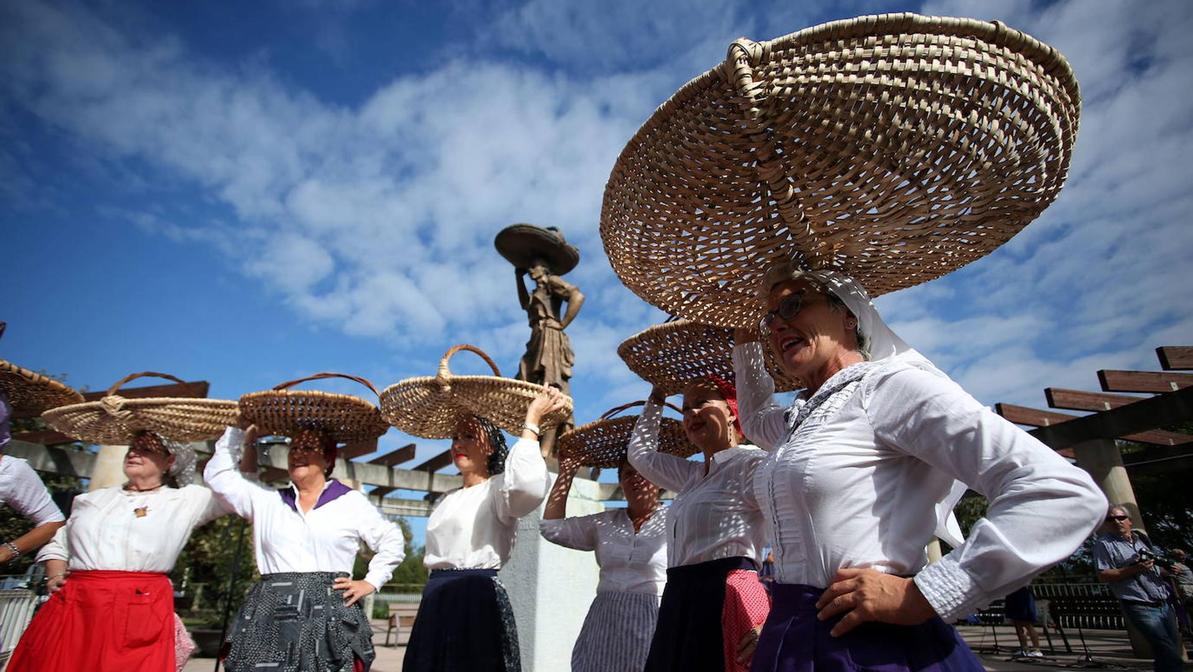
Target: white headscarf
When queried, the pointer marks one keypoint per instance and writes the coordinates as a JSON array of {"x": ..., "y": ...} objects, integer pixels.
[{"x": 884, "y": 344}]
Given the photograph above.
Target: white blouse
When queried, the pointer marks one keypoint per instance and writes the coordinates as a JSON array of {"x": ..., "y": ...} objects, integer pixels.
[
  {"x": 714, "y": 515},
  {"x": 630, "y": 562},
  {"x": 105, "y": 531},
  {"x": 474, "y": 527},
  {"x": 21, "y": 489},
  {"x": 288, "y": 539},
  {"x": 855, "y": 485}
]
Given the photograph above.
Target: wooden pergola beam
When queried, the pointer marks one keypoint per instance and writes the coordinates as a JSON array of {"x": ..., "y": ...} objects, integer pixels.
[
  {"x": 1175, "y": 357},
  {"x": 436, "y": 463},
  {"x": 1080, "y": 400},
  {"x": 45, "y": 437},
  {"x": 1143, "y": 381},
  {"x": 1162, "y": 410},
  {"x": 194, "y": 390},
  {"x": 1032, "y": 417},
  {"x": 394, "y": 458}
]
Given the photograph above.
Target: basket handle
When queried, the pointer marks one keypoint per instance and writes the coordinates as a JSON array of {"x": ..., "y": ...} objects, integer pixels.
[
  {"x": 445, "y": 373},
  {"x": 144, "y": 374},
  {"x": 328, "y": 374},
  {"x": 618, "y": 409}
]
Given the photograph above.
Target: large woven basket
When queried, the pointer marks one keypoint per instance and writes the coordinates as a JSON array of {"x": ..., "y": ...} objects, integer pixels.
[
  {"x": 343, "y": 417},
  {"x": 115, "y": 420},
  {"x": 673, "y": 354},
  {"x": 31, "y": 393},
  {"x": 430, "y": 406},
  {"x": 894, "y": 148},
  {"x": 603, "y": 442}
]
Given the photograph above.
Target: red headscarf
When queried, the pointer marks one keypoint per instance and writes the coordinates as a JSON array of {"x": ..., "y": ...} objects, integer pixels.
[{"x": 729, "y": 393}]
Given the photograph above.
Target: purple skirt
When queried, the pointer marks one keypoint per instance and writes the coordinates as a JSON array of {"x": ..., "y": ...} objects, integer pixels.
[{"x": 793, "y": 640}]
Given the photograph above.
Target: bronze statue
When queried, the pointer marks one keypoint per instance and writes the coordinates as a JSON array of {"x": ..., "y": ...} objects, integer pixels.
[{"x": 544, "y": 255}]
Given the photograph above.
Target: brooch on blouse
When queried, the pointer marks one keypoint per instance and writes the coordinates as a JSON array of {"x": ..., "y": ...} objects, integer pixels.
[{"x": 141, "y": 511}]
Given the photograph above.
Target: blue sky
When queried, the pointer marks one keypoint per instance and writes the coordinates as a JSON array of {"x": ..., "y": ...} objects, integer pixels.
[{"x": 248, "y": 192}]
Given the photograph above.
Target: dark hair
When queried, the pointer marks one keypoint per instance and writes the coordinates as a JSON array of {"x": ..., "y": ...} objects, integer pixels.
[{"x": 496, "y": 464}]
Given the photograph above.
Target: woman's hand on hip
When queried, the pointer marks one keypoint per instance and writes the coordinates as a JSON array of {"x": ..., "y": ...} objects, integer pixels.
[
  {"x": 55, "y": 583},
  {"x": 353, "y": 590},
  {"x": 868, "y": 595}
]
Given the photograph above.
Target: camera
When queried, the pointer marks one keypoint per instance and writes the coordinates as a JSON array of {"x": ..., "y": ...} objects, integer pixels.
[{"x": 1144, "y": 555}]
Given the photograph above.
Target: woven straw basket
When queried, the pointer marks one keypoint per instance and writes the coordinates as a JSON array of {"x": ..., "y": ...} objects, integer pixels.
[
  {"x": 430, "y": 406},
  {"x": 343, "y": 417},
  {"x": 603, "y": 442},
  {"x": 672, "y": 354},
  {"x": 894, "y": 148},
  {"x": 115, "y": 420},
  {"x": 31, "y": 393}
]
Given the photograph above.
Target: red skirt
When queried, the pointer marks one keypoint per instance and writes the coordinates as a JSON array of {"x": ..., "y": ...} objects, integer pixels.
[{"x": 102, "y": 621}]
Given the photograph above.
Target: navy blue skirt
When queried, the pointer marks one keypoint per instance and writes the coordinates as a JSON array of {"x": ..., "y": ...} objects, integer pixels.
[
  {"x": 688, "y": 635},
  {"x": 464, "y": 623},
  {"x": 794, "y": 640}
]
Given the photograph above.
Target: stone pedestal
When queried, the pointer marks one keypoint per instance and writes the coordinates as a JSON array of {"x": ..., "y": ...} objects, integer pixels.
[
  {"x": 109, "y": 467},
  {"x": 551, "y": 587}
]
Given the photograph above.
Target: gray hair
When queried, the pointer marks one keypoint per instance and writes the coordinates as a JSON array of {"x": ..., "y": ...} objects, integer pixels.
[{"x": 790, "y": 270}]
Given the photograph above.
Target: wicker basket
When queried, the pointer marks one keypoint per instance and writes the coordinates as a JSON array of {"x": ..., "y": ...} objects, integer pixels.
[
  {"x": 31, "y": 393},
  {"x": 430, "y": 406},
  {"x": 343, "y": 417},
  {"x": 894, "y": 148},
  {"x": 603, "y": 442},
  {"x": 115, "y": 420},
  {"x": 672, "y": 354}
]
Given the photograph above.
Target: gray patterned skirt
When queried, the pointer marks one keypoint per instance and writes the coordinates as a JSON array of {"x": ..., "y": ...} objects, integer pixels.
[{"x": 295, "y": 622}]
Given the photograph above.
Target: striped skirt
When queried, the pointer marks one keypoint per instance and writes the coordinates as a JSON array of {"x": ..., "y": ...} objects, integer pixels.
[{"x": 616, "y": 633}]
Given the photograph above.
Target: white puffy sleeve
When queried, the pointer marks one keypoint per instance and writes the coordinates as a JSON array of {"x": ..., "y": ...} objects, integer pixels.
[
  {"x": 762, "y": 419},
  {"x": 524, "y": 483},
  {"x": 1041, "y": 507},
  {"x": 669, "y": 471}
]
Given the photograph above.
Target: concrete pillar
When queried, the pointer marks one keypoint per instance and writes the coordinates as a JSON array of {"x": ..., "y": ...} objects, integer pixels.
[
  {"x": 109, "y": 467},
  {"x": 1102, "y": 459},
  {"x": 551, "y": 587}
]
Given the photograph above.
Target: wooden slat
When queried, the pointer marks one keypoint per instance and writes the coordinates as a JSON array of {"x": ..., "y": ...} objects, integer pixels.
[
  {"x": 195, "y": 390},
  {"x": 1175, "y": 357},
  {"x": 436, "y": 463},
  {"x": 1032, "y": 417},
  {"x": 351, "y": 450},
  {"x": 45, "y": 437},
  {"x": 1022, "y": 415},
  {"x": 1143, "y": 381},
  {"x": 1080, "y": 400},
  {"x": 393, "y": 459}
]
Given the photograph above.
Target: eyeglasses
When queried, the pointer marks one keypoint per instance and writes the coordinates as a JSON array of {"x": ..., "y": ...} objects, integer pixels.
[
  {"x": 1118, "y": 518},
  {"x": 786, "y": 311}
]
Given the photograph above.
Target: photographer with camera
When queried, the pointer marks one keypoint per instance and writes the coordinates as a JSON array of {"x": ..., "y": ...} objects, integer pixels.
[{"x": 1127, "y": 561}]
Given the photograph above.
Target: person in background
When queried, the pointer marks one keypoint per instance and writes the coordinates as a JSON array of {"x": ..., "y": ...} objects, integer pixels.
[
  {"x": 1021, "y": 612},
  {"x": 1126, "y": 560},
  {"x": 1182, "y": 577}
]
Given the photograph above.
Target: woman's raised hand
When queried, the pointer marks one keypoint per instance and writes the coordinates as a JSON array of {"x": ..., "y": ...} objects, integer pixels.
[
  {"x": 657, "y": 396},
  {"x": 547, "y": 402}
]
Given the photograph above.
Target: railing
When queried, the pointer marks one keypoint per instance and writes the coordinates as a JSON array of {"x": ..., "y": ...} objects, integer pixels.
[
  {"x": 16, "y": 609},
  {"x": 1070, "y": 605}
]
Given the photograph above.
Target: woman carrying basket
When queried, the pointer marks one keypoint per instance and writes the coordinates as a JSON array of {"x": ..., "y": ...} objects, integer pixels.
[
  {"x": 304, "y": 613},
  {"x": 465, "y": 622},
  {"x": 852, "y": 488},
  {"x": 631, "y": 550},
  {"x": 713, "y": 599},
  {"x": 111, "y": 604}
]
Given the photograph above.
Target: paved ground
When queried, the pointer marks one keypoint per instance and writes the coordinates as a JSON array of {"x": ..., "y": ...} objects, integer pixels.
[{"x": 1104, "y": 646}]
